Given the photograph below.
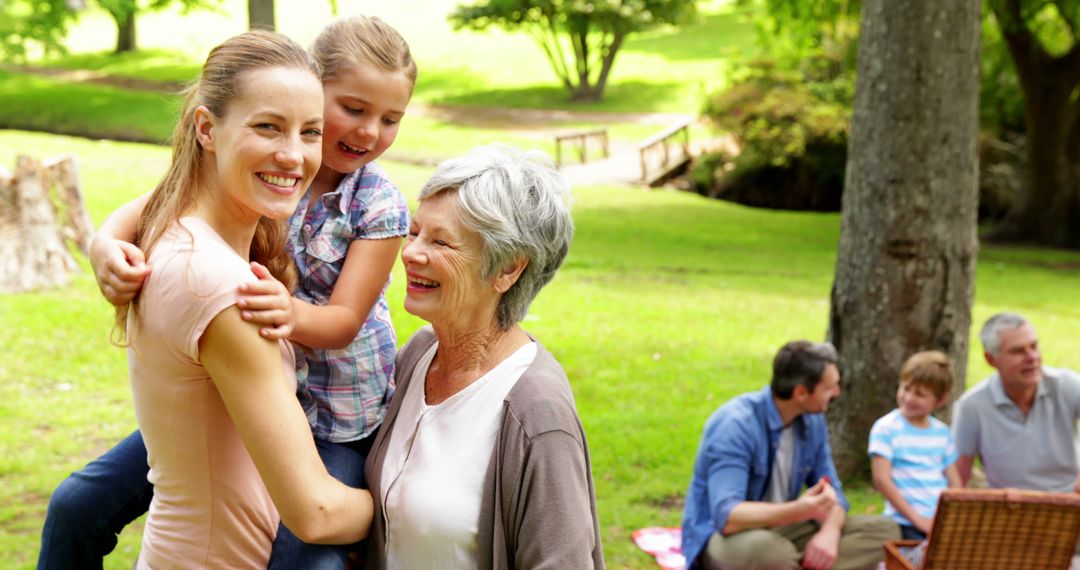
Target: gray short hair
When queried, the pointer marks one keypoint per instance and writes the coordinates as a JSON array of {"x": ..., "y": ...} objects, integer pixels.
[
  {"x": 989, "y": 336},
  {"x": 800, "y": 363},
  {"x": 519, "y": 204}
]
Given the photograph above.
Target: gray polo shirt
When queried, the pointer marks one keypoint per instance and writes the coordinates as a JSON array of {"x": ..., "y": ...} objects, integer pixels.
[{"x": 1033, "y": 452}]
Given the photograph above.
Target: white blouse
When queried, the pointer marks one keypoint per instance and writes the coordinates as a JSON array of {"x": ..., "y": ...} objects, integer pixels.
[{"x": 435, "y": 466}]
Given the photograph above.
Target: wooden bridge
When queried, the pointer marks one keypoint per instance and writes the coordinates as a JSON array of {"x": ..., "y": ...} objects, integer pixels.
[{"x": 650, "y": 161}]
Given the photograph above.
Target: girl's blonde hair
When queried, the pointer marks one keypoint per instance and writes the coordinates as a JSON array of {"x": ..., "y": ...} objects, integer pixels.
[
  {"x": 217, "y": 86},
  {"x": 362, "y": 40}
]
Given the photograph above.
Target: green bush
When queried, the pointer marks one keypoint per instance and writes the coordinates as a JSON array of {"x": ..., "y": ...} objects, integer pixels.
[{"x": 791, "y": 127}]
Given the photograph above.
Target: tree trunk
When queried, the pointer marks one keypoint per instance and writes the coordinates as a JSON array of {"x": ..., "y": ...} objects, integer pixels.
[
  {"x": 906, "y": 260},
  {"x": 1048, "y": 208},
  {"x": 261, "y": 14},
  {"x": 76, "y": 223},
  {"x": 33, "y": 253},
  {"x": 125, "y": 31},
  {"x": 607, "y": 63},
  {"x": 579, "y": 39},
  {"x": 584, "y": 94}
]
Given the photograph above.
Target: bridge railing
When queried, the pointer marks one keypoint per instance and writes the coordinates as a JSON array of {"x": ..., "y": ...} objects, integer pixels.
[
  {"x": 581, "y": 139},
  {"x": 661, "y": 153}
]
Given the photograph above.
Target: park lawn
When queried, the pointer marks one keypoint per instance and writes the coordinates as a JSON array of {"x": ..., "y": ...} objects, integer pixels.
[
  {"x": 668, "y": 305},
  {"x": 104, "y": 112},
  {"x": 149, "y": 64},
  {"x": 49, "y": 104},
  {"x": 663, "y": 70}
]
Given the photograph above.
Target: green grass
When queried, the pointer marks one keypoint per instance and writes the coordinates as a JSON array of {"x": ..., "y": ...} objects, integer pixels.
[
  {"x": 668, "y": 305},
  {"x": 151, "y": 64},
  {"x": 96, "y": 111},
  {"x": 667, "y": 69},
  {"x": 47, "y": 104}
]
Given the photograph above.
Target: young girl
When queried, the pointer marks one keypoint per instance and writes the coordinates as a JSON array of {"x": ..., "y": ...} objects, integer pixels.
[{"x": 344, "y": 238}]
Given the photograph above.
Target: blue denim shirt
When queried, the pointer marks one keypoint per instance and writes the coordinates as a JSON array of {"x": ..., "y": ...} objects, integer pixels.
[{"x": 734, "y": 462}]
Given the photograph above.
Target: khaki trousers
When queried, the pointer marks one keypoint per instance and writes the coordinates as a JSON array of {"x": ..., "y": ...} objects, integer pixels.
[{"x": 782, "y": 548}]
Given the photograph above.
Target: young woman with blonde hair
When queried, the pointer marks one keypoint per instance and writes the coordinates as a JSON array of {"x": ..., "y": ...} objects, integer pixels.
[{"x": 343, "y": 237}]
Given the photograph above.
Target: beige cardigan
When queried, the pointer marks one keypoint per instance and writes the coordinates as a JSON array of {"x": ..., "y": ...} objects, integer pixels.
[{"x": 539, "y": 506}]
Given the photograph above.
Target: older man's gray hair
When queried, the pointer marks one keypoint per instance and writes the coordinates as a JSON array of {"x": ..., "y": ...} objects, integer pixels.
[
  {"x": 519, "y": 204},
  {"x": 989, "y": 334}
]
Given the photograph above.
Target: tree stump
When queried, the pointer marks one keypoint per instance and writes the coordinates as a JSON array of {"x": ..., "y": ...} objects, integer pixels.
[{"x": 37, "y": 220}]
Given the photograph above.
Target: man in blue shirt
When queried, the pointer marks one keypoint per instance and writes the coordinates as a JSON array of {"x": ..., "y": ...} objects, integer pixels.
[{"x": 744, "y": 508}]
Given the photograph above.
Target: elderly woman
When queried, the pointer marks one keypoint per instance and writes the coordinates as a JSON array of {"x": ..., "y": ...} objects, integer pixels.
[{"x": 482, "y": 461}]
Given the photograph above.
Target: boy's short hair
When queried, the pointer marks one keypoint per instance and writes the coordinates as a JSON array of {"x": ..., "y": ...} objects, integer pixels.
[{"x": 930, "y": 369}]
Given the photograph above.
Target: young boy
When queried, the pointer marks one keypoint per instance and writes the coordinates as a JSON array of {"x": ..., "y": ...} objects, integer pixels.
[{"x": 911, "y": 452}]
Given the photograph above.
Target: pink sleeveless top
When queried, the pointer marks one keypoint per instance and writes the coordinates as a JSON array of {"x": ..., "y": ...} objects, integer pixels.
[{"x": 210, "y": 507}]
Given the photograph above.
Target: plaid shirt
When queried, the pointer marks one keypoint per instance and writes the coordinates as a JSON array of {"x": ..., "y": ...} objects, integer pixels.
[{"x": 345, "y": 392}]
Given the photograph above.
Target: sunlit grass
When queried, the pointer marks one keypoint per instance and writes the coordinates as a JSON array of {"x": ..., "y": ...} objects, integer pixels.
[
  {"x": 668, "y": 305},
  {"x": 48, "y": 104},
  {"x": 664, "y": 70}
]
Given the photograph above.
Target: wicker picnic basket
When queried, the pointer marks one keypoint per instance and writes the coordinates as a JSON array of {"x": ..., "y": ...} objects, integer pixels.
[{"x": 996, "y": 529}]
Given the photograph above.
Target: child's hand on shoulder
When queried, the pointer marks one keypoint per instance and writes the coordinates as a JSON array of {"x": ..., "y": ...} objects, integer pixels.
[
  {"x": 119, "y": 268},
  {"x": 267, "y": 302}
]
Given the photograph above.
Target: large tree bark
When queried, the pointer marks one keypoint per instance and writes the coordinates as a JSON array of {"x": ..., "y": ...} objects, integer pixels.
[
  {"x": 1049, "y": 206},
  {"x": 905, "y": 266},
  {"x": 261, "y": 15}
]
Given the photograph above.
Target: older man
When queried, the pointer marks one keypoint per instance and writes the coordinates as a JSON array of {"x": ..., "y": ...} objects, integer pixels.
[
  {"x": 1021, "y": 421},
  {"x": 758, "y": 451}
]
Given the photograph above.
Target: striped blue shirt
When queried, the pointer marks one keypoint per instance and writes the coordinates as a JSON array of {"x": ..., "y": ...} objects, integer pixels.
[{"x": 919, "y": 457}]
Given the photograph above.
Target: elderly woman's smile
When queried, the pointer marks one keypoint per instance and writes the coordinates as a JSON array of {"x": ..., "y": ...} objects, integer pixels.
[{"x": 442, "y": 262}]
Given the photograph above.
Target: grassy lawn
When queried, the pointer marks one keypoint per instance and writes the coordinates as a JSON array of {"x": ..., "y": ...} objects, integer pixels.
[
  {"x": 47, "y": 104},
  {"x": 668, "y": 305},
  {"x": 665, "y": 70},
  {"x": 38, "y": 103}
]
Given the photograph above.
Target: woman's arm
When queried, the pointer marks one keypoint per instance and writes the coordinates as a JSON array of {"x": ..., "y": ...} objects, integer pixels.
[
  {"x": 557, "y": 526},
  {"x": 367, "y": 265},
  {"x": 119, "y": 266},
  {"x": 246, "y": 370}
]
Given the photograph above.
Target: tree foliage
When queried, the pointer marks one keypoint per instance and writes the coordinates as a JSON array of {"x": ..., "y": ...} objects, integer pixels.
[
  {"x": 812, "y": 25},
  {"x": 29, "y": 26},
  {"x": 33, "y": 25},
  {"x": 1031, "y": 81},
  {"x": 1043, "y": 38},
  {"x": 580, "y": 38},
  {"x": 124, "y": 13}
]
